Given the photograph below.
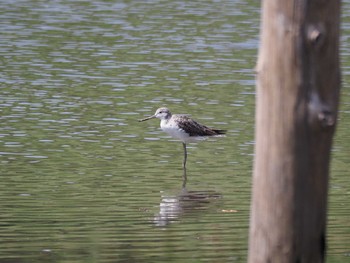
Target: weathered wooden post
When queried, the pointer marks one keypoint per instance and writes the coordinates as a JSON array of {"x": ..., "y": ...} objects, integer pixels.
[{"x": 298, "y": 82}]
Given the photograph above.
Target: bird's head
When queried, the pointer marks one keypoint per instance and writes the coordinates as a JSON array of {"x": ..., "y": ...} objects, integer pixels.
[{"x": 161, "y": 113}]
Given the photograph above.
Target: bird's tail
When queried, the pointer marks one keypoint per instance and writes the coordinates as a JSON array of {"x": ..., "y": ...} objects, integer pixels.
[{"x": 218, "y": 132}]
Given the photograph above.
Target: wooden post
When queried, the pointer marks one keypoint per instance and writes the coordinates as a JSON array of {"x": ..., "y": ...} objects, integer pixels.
[{"x": 298, "y": 82}]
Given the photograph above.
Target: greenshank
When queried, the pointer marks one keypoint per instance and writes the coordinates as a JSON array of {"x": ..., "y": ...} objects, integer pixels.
[{"x": 183, "y": 128}]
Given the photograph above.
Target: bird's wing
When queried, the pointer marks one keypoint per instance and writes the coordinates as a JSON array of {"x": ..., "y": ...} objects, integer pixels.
[{"x": 194, "y": 128}]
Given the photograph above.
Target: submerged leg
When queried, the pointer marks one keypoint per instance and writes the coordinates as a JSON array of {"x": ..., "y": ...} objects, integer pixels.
[
  {"x": 185, "y": 156},
  {"x": 184, "y": 164}
]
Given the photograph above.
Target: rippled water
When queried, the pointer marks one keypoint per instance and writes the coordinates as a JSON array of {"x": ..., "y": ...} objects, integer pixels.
[{"x": 83, "y": 181}]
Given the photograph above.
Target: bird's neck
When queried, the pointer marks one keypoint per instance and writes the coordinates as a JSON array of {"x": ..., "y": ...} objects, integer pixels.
[
  {"x": 163, "y": 122},
  {"x": 167, "y": 117}
]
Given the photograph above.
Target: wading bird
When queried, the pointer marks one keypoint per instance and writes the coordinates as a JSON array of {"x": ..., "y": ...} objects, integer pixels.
[{"x": 183, "y": 128}]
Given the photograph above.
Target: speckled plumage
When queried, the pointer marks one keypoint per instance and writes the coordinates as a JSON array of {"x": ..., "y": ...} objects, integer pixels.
[{"x": 194, "y": 128}]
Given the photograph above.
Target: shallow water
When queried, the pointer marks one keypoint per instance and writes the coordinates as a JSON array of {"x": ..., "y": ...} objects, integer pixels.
[{"x": 83, "y": 181}]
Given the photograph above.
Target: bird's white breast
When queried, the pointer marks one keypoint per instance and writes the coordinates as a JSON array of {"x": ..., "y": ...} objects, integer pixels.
[{"x": 174, "y": 131}]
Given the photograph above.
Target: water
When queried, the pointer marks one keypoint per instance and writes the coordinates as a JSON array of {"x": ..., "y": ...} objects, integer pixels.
[{"x": 83, "y": 181}]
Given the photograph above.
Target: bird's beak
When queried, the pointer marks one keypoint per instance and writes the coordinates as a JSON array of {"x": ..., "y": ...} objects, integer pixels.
[{"x": 148, "y": 118}]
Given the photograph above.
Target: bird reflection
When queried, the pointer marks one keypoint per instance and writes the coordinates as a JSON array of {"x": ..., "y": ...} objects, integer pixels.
[{"x": 173, "y": 207}]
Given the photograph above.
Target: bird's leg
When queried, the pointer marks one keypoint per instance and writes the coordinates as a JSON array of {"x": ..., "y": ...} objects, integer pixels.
[
  {"x": 185, "y": 156},
  {"x": 184, "y": 164}
]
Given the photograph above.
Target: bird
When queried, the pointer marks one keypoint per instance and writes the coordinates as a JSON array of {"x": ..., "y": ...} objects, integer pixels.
[{"x": 183, "y": 128}]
